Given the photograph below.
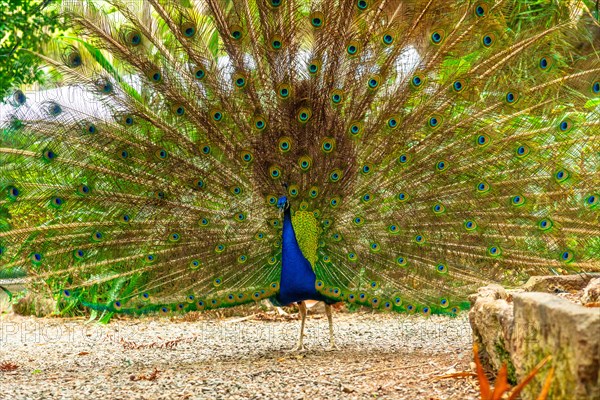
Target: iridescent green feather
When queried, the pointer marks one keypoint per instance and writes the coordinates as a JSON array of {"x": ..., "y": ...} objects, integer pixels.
[{"x": 426, "y": 149}]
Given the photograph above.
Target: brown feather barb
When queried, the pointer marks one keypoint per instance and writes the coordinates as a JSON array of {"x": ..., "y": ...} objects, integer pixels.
[{"x": 425, "y": 148}]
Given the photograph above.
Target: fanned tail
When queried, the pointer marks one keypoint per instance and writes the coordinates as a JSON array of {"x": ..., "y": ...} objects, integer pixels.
[{"x": 432, "y": 148}]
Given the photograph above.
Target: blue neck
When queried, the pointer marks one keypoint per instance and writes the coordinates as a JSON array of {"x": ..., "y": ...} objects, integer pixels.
[{"x": 298, "y": 279}]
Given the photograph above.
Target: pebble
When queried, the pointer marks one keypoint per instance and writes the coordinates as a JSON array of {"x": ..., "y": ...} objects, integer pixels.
[{"x": 380, "y": 356}]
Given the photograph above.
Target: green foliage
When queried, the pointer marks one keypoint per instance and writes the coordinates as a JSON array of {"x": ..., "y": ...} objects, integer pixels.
[
  {"x": 505, "y": 358},
  {"x": 25, "y": 26}
]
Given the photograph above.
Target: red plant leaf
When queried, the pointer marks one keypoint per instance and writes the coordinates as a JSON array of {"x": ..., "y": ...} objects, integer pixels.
[
  {"x": 528, "y": 378},
  {"x": 501, "y": 386},
  {"x": 547, "y": 384},
  {"x": 484, "y": 384}
]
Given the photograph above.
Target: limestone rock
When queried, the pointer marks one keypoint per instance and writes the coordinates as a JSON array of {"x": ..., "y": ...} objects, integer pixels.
[
  {"x": 545, "y": 324},
  {"x": 558, "y": 283},
  {"x": 491, "y": 318},
  {"x": 591, "y": 293},
  {"x": 34, "y": 305},
  {"x": 520, "y": 329}
]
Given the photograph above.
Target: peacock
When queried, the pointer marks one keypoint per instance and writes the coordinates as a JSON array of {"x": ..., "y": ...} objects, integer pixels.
[{"x": 394, "y": 154}]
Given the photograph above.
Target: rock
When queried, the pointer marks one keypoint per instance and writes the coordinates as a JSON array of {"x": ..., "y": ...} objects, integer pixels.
[
  {"x": 493, "y": 292},
  {"x": 520, "y": 329},
  {"x": 34, "y": 305},
  {"x": 545, "y": 324},
  {"x": 8, "y": 289},
  {"x": 558, "y": 283},
  {"x": 347, "y": 389},
  {"x": 491, "y": 318},
  {"x": 591, "y": 293}
]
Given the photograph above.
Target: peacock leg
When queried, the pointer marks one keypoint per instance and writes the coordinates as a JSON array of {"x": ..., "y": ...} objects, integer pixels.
[
  {"x": 332, "y": 345},
  {"x": 300, "y": 345}
]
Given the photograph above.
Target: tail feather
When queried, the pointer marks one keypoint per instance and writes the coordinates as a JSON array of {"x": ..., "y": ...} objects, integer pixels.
[{"x": 439, "y": 146}]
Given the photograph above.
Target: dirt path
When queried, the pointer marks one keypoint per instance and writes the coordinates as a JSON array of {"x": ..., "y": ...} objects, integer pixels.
[{"x": 380, "y": 356}]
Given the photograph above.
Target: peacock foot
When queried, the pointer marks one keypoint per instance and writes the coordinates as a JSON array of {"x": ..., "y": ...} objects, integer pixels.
[
  {"x": 332, "y": 347},
  {"x": 299, "y": 348}
]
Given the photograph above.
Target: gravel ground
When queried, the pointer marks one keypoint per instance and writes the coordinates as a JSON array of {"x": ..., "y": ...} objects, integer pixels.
[{"x": 211, "y": 357}]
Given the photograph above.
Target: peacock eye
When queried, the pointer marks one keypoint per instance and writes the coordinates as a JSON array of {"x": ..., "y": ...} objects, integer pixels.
[
  {"x": 19, "y": 97},
  {"x": 189, "y": 31}
]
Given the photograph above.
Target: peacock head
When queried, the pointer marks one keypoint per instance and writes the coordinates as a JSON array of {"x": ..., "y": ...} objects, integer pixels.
[{"x": 283, "y": 203}]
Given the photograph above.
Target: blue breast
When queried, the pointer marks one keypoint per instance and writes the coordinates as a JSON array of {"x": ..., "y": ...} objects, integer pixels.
[{"x": 298, "y": 279}]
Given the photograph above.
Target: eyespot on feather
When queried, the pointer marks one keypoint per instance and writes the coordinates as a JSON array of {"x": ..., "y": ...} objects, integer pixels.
[
  {"x": 387, "y": 38},
  {"x": 353, "y": 48},
  {"x": 275, "y": 171},
  {"x": 355, "y": 128},
  {"x": 317, "y": 19},
  {"x": 73, "y": 59},
  {"x": 336, "y": 96},
  {"x": 305, "y": 162},
  {"x": 327, "y": 145},
  {"x": 481, "y": 9},
  {"x": 488, "y": 39},
  {"x": 259, "y": 122},
  {"x": 236, "y": 32},
  {"x": 437, "y": 36},
  {"x": 277, "y": 43},
  {"x": 132, "y": 38},
  {"x": 314, "y": 67},
  {"x": 304, "y": 114},
  {"x": 188, "y": 29},
  {"x": 284, "y": 90}
]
